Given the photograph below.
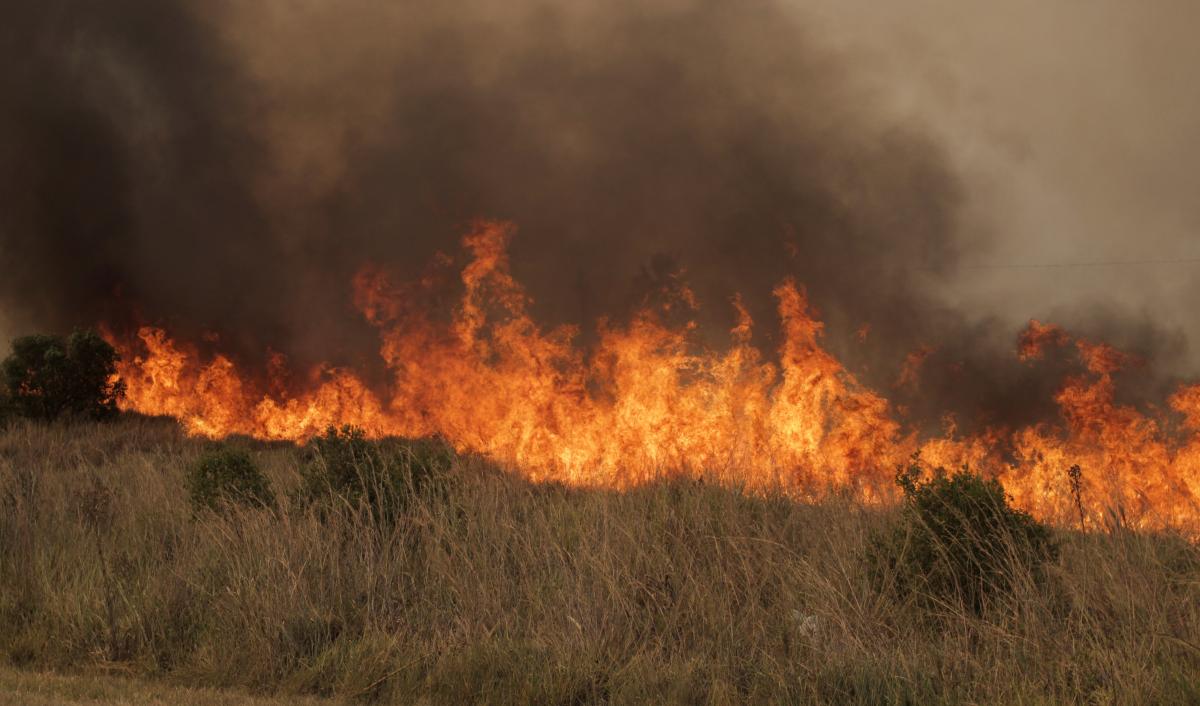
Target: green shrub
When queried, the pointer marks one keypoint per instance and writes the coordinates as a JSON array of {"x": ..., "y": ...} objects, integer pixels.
[
  {"x": 227, "y": 476},
  {"x": 384, "y": 476},
  {"x": 46, "y": 377},
  {"x": 958, "y": 540}
]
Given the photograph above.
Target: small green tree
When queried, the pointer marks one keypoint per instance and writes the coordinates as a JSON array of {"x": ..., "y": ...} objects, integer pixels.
[
  {"x": 46, "y": 377},
  {"x": 382, "y": 475},
  {"x": 958, "y": 539},
  {"x": 227, "y": 476}
]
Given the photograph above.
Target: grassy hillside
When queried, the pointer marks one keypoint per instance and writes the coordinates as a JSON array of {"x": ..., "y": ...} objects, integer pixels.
[{"x": 495, "y": 590}]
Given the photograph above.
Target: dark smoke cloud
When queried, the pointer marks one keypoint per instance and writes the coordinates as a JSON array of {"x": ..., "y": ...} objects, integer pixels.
[
  {"x": 128, "y": 187},
  {"x": 219, "y": 168}
]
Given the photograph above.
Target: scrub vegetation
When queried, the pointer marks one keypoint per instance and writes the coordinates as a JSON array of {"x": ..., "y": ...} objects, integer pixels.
[{"x": 399, "y": 572}]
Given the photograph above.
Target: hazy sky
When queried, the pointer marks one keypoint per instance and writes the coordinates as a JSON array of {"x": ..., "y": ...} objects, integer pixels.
[{"x": 1077, "y": 125}]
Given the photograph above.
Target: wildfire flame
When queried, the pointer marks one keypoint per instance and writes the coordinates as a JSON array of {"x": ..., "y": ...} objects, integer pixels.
[{"x": 642, "y": 404}]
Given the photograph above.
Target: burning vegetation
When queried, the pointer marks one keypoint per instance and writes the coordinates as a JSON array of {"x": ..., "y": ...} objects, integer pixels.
[
  {"x": 647, "y": 401},
  {"x": 206, "y": 179},
  {"x": 710, "y": 409}
]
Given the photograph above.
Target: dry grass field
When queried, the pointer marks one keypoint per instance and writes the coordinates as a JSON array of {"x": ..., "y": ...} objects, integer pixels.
[
  {"x": 19, "y": 687},
  {"x": 494, "y": 590}
]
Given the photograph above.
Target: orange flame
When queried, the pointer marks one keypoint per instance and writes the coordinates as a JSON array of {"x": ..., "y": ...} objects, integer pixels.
[{"x": 643, "y": 404}]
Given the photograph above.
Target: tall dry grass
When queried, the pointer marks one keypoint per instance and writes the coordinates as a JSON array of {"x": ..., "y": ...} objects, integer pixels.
[{"x": 500, "y": 591}]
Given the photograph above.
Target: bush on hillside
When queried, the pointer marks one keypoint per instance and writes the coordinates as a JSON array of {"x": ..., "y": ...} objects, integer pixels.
[
  {"x": 47, "y": 377},
  {"x": 384, "y": 476},
  {"x": 958, "y": 540},
  {"x": 227, "y": 476}
]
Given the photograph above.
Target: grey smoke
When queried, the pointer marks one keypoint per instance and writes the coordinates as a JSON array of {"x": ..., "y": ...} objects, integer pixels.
[{"x": 224, "y": 168}]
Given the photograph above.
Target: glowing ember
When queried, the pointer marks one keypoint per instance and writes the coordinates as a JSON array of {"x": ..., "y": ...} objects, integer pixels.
[{"x": 642, "y": 405}]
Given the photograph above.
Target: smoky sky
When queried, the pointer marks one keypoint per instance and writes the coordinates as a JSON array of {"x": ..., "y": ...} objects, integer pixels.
[{"x": 219, "y": 168}]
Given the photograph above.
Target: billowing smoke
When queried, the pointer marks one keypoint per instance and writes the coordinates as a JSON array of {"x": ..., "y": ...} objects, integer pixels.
[{"x": 223, "y": 169}]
